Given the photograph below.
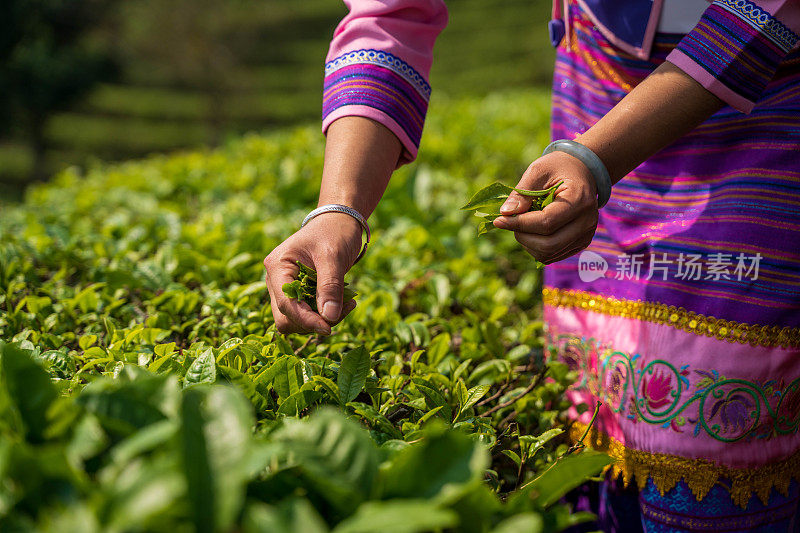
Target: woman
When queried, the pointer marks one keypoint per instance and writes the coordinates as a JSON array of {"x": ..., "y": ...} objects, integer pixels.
[{"x": 682, "y": 310}]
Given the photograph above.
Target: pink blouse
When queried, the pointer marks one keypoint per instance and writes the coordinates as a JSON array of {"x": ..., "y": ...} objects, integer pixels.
[{"x": 379, "y": 60}]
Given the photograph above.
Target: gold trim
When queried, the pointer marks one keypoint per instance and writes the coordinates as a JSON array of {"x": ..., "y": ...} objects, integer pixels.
[
  {"x": 677, "y": 317},
  {"x": 699, "y": 474}
]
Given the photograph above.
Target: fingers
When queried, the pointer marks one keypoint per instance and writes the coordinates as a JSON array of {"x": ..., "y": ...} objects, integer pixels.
[
  {"x": 291, "y": 316},
  {"x": 545, "y": 222},
  {"x": 569, "y": 239},
  {"x": 330, "y": 286},
  {"x": 532, "y": 179},
  {"x": 516, "y": 203},
  {"x": 349, "y": 305}
]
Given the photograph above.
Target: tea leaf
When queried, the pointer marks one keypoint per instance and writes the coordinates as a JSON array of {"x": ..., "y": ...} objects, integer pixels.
[
  {"x": 353, "y": 373},
  {"x": 488, "y": 196},
  {"x": 202, "y": 370},
  {"x": 410, "y": 516}
]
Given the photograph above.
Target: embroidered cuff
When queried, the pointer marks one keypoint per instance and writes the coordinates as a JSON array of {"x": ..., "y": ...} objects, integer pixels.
[
  {"x": 734, "y": 51},
  {"x": 380, "y": 86}
]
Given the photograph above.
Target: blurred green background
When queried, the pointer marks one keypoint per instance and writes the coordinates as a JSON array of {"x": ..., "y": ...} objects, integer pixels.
[{"x": 113, "y": 79}]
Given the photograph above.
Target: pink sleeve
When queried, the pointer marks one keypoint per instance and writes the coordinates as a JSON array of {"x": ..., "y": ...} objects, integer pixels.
[
  {"x": 735, "y": 49},
  {"x": 378, "y": 66}
]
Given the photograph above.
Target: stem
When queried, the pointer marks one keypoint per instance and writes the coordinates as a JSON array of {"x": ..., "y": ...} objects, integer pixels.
[
  {"x": 535, "y": 383},
  {"x": 494, "y": 396},
  {"x": 305, "y": 344},
  {"x": 578, "y": 445}
]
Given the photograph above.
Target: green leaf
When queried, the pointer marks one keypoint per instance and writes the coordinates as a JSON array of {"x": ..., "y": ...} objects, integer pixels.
[
  {"x": 149, "y": 438},
  {"x": 401, "y": 516},
  {"x": 216, "y": 443},
  {"x": 128, "y": 404},
  {"x": 485, "y": 227},
  {"x": 335, "y": 454},
  {"x": 474, "y": 395},
  {"x": 527, "y": 522},
  {"x": 442, "y": 458},
  {"x": 433, "y": 398},
  {"x": 86, "y": 341},
  {"x": 287, "y": 378},
  {"x": 566, "y": 474},
  {"x": 489, "y": 196},
  {"x": 29, "y": 389},
  {"x": 140, "y": 493},
  {"x": 539, "y": 193},
  {"x": 534, "y": 444},
  {"x": 438, "y": 348},
  {"x": 349, "y": 294},
  {"x": 460, "y": 393},
  {"x": 295, "y": 290},
  {"x": 460, "y": 370},
  {"x": 329, "y": 386},
  {"x": 548, "y": 199},
  {"x": 374, "y": 419},
  {"x": 289, "y": 516},
  {"x": 430, "y": 414},
  {"x": 298, "y": 401},
  {"x": 202, "y": 370},
  {"x": 88, "y": 439},
  {"x": 511, "y": 454},
  {"x": 245, "y": 384},
  {"x": 353, "y": 372}
]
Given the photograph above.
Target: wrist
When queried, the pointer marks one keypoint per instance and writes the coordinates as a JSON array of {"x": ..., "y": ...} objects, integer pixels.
[
  {"x": 591, "y": 161},
  {"x": 342, "y": 224},
  {"x": 344, "y": 210}
]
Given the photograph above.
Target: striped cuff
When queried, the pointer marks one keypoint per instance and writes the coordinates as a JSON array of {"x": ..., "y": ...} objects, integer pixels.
[
  {"x": 380, "y": 81},
  {"x": 734, "y": 51}
]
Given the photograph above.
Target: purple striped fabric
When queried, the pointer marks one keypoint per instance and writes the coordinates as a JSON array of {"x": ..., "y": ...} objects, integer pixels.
[
  {"x": 699, "y": 377},
  {"x": 380, "y": 88},
  {"x": 740, "y": 45},
  {"x": 730, "y": 187}
]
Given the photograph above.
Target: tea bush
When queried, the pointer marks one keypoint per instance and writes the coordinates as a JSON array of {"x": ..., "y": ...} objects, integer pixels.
[{"x": 143, "y": 386}]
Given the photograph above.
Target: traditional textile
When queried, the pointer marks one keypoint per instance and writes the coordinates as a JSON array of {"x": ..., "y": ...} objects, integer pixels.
[
  {"x": 760, "y": 42},
  {"x": 381, "y": 81},
  {"x": 683, "y": 316},
  {"x": 378, "y": 65},
  {"x": 621, "y": 509},
  {"x": 631, "y": 25}
]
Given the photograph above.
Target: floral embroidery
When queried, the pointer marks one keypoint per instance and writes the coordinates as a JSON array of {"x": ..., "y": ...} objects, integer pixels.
[{"x": 656, "y": 392}]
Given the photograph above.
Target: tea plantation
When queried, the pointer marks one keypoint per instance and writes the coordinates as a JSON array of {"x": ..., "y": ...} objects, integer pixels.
[{"x": 143, "y": 386}]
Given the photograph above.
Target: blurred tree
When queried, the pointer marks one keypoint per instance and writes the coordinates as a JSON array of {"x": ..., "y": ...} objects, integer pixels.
[
  {"x": 47, "y": 62},
  {"x": 192, "y": 39}
]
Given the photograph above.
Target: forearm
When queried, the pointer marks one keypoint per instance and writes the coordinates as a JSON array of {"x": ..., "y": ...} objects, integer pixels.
[
  {"x": 360, "y": 156},
  {"x": 664, "y": 107}
]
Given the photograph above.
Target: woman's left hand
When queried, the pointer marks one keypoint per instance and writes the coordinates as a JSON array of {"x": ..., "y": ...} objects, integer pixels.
[{"x": 567, "y": 225}]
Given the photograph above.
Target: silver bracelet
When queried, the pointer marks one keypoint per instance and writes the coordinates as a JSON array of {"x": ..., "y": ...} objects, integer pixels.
[
  {"x": 592, "y": 162},
  {"x": 339, "y": 208}
]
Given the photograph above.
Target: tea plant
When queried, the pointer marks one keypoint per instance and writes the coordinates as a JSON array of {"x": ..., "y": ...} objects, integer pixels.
[
  {"x": 304, "y": 288},
  {"x": 487, "y": 201},
  {"x": 143, "y": 386}
]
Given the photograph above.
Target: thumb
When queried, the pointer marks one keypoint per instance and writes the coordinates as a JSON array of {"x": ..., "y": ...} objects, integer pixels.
[
  {"x": 330, "y": 288},
  {"x": 534, "y": 178},
  {"x": 515, "y": 204}
]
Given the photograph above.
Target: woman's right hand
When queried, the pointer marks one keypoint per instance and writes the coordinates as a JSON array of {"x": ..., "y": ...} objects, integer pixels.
[{"x": 329, "y": 243}]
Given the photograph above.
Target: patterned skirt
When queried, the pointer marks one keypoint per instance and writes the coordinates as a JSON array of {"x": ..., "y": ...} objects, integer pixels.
[{"x": 683, "y": 316}]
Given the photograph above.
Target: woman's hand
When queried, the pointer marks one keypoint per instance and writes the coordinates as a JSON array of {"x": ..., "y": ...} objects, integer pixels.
[
  {"x": 330, "y": 244},
  {"x": 567, "y": 225}
]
